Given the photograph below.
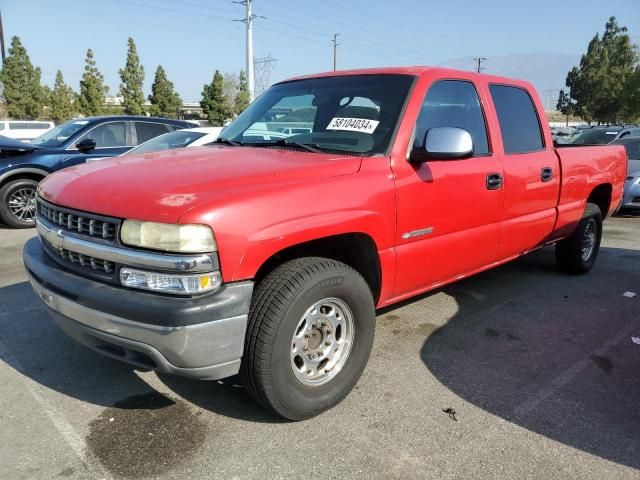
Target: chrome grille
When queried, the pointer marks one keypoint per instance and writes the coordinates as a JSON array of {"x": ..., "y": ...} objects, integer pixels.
[
  {"x": 77, "y": 223},
  {"x": 94, "y": 263}
]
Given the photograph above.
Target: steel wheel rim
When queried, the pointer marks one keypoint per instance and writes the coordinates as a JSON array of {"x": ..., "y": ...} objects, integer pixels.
[
  {"x": 22, "y": 204},
  {"x": 589, "y": 240},
  {"x": 322, "y": 341}
]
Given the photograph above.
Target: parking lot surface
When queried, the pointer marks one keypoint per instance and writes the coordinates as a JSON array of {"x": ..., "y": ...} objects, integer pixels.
[{"x": 539, "y": 368}]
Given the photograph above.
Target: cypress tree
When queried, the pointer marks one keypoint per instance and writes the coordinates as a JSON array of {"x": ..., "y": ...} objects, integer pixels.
[
  {"x": 213, "y": 103},
  {"x": 22, "y": 92},
  {"x": 242, "y": 94},
  {"x": 165, "y": 101},
  {"x": 92, "y": 88},
  {"x": 62, "y": 100},
  {"x": 132, "y": 76}
]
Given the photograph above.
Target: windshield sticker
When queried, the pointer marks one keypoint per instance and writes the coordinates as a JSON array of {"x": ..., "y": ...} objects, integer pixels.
[
  {"x": 81, "y": 122},
  {"x": 353, "y": 124}
]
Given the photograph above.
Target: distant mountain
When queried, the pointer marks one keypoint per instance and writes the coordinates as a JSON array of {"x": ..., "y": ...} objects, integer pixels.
[{"x": 546, "y": 70}]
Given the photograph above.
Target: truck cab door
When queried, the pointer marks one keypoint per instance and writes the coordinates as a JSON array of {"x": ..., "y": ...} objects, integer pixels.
[
  {"x": 111, "y": 139},
  {"x": 531, "y": 172},
  {"x": 448, "y": 211}
]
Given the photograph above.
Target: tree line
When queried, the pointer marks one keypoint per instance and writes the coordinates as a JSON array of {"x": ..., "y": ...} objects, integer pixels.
[
  {"x": 605, "y": 87},
  {"x": 26, "y": 98}
]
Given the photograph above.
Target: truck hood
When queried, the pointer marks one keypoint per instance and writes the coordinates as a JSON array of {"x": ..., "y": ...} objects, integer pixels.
[{"x": 161, "y": 186}]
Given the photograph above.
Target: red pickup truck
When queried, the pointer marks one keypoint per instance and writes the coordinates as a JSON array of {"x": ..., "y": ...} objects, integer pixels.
[{"x": 268, "y": 255}]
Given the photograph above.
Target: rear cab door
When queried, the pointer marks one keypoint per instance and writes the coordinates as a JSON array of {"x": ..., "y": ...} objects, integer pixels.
[{"x": 530, "y": 165}]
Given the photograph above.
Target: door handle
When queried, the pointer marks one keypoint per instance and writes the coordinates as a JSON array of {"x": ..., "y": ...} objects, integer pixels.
[
  {"x": 494, "y": 181},
  {"x": 546, "y": 174}
]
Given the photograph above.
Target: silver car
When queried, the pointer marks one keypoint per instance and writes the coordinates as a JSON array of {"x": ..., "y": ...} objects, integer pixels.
[{"x": 631, "y": 200}]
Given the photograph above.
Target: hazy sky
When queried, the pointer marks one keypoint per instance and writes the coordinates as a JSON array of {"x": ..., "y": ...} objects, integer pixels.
[{"x": 192, "y": 38}]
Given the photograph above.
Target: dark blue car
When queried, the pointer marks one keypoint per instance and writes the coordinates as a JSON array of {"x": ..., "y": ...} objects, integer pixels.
[{"x": 23, "y": 165}]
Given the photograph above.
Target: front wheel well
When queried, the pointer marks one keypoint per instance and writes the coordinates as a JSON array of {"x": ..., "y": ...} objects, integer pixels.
[
  {"x": 601, "y": 196},
  {"x": 358, "y": 250},
  {"x": 22, "y": 176}
]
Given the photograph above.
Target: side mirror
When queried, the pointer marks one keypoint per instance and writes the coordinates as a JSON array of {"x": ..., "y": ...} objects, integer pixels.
[
  {"x": 444, "y": 143},
  {"x": 86, "y": 144}
]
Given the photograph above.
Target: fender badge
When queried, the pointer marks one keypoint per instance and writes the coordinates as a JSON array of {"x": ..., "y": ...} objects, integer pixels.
[{"x": 417, "y": 233}]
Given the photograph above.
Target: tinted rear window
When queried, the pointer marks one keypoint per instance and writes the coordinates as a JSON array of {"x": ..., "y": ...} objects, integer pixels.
[{"x": 518, "y": 120}]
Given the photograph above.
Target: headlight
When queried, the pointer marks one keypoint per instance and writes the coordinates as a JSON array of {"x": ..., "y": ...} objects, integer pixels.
[
  {"x": 168, "y": 237},
  {"x": 167, "y": 283}
]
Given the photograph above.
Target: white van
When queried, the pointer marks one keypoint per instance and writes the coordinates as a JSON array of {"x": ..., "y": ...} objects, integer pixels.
[{"x": 24, "y": 130}]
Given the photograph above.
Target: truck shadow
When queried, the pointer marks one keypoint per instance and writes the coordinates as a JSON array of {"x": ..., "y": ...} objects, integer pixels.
[
  {"x": 34, "y": 346},
  {"x": 548, "y": 352}
]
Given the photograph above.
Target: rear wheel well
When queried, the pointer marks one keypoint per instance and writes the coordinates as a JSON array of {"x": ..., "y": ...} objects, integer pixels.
[
  {"x": 601, "y": 196},
  {"x": 357, "y": 250}
]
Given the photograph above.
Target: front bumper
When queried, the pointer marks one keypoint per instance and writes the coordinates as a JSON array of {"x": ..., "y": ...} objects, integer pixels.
[{"x": 199, "y": 337}]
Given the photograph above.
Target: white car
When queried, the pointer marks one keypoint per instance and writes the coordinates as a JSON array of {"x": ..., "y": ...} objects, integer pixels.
[
  {"x": 24, "y": 130},
  {"x": 186, "y": 137}
]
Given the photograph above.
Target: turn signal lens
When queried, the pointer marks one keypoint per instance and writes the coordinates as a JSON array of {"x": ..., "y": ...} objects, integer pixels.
[{"x": 166, "y": 283}]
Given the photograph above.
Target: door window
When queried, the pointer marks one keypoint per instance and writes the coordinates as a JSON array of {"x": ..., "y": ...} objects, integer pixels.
[
  {"x": 518, "y": 120},
  {"x": 108, "y": 135},
  {"x": 147, "y": 130},
  {"x": 453, "y": 103}
]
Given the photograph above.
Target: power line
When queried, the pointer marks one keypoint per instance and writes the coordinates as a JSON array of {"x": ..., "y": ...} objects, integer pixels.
[{"x": 479, "y": 61}]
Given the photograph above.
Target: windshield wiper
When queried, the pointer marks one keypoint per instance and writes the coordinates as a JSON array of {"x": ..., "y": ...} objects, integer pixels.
[
  {"x": 309, "y": 147},
  {"x": 226, "y": 141}
]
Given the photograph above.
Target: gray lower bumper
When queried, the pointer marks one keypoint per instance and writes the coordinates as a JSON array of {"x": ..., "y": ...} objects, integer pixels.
[
  {"x": 200, "y": 337},
  {"x": 208, "y": 351}
]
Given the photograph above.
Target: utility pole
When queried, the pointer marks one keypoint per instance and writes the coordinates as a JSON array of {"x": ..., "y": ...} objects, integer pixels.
[
  {"x": 248, "y": 20},
  {"x": 335, "y": 45},
  {"x": 2, "y": 39},
  {"x": 479, "y": 61}
]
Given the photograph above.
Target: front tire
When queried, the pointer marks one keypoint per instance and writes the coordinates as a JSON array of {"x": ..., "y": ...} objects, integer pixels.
[
  {"x": 577, "y": 254},
  {"x": 18, "y": 203},
  {"x": 310, "y": 332}
]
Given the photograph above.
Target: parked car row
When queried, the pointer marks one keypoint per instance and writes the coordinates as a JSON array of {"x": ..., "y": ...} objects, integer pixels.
[{"x": 593, "y": 135}]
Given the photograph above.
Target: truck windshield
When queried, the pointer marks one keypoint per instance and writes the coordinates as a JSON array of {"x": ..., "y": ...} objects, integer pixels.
[{"x": 349, "y": 114}]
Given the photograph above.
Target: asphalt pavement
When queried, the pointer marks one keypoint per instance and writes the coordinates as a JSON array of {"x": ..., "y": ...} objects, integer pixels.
[{"x": 519, "y": 372}]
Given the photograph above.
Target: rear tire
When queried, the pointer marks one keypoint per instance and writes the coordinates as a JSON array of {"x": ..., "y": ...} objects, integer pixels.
[
  {"x": 310, "y": 332},
  {"x": 18, "y": 203},
  {"x": 577, "y": 254}
]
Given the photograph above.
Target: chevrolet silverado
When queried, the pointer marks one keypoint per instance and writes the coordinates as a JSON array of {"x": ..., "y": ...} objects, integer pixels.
[{"x": 269, "y": 258}]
